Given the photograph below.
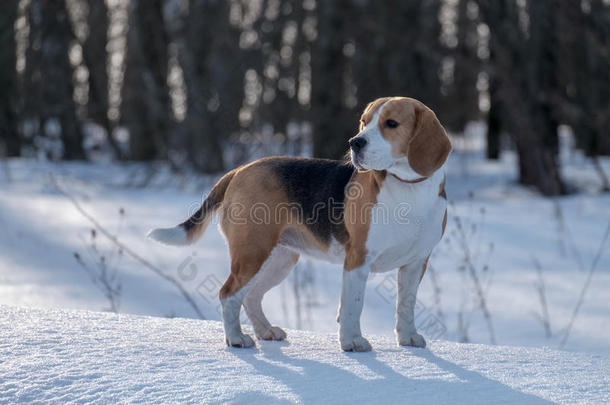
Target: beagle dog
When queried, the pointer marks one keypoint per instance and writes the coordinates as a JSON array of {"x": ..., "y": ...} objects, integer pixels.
[{"x": 385, "y": 210}]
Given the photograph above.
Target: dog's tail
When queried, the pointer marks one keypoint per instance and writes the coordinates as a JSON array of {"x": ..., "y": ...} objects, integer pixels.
[{"x": 193, "y": 228}]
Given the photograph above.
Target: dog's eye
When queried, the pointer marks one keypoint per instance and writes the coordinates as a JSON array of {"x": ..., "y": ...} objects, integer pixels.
[{"x": 391, "y": 124}]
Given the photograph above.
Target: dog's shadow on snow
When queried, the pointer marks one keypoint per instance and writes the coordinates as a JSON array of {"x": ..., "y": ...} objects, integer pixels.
[{"x": 339, "y": 376}]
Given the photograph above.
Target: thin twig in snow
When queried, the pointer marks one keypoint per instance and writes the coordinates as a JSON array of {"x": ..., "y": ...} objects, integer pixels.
[
  {"x": 105, "y": 281},
  {"x": 585, "y": 287},
  {"x": 540, "y": 285},
  {"x": 436, "y": 291},
  {"x": 561, "y": 228},
  {"x": 567, "y": 235},
  {"x": 128, "y": 250},
  {"x": 296, "y": 288},
  {"x": 475, "y": 279}
]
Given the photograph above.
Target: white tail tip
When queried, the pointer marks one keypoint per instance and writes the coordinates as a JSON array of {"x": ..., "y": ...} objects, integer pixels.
[{"x": 175, "y": 236}]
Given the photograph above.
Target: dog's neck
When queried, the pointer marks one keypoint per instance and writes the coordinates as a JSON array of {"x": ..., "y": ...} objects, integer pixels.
[
  {"x": 418, "y": 180},
  {"x": 403, "y": 171}
]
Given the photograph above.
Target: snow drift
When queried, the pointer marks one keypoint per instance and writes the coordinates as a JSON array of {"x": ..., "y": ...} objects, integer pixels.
[{"x": 64, "y": 356}]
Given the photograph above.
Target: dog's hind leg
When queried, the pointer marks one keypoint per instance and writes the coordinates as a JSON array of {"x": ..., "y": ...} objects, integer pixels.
[
  {"x": 250, "y": 248},
  {"x": 275, "y": 269},
  {"x": 244, "y": 272},
  {"x": 231, "y": 307}
]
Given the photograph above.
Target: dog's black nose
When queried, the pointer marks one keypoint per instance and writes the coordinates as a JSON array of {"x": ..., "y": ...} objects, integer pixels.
[{"x": 357, "y": 144}]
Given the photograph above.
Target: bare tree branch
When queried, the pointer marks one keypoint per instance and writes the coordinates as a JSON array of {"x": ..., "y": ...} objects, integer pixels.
[
  {"x": 585, "y": 287},
  {"x": 128, "y": 250}
]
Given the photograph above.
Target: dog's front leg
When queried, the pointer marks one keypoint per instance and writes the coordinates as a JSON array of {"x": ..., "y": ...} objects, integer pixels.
[
  {"x": 352, "y": 299},
  {"x": 408, "y": 282}
]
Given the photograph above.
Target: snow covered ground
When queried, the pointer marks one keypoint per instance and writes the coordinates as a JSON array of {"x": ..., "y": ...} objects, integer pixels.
[
  {"x": 66, "y": 356},
  {"x": 503, "y": 237}
]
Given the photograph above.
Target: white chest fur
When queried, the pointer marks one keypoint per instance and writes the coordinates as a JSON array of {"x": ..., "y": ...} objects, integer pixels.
[{"x": 406, "y": 222}]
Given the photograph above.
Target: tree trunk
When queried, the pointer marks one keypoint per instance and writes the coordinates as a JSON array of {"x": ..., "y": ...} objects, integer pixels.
[
  {"x": 598, "y": 65},
  {"x": 495, "y": 114},
  {"x": 527, "y": 89},
  {"x": 538, "y": 166},
  {"x": 334, "y": 123},
  {"x": 584, "y": 38},
  {"x": 462, "y": 101},
  {"x": 540, "y": 149},
  {"x": 145, "y": 106},
  {"x": 213, "y": 67},
  {"x": 95, "y": 56},
  {"x": 8, "y": 80},
  {"x": 392, "y": 62},
  {"x": 494, "y": 122},
  {"x": 49, "y": 86},
  {"x": 282, "y": 106}
]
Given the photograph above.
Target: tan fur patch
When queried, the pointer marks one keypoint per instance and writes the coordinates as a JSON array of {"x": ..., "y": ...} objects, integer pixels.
[
  {"x": 430, "y": 146},
  {"x": 360, "y": 198},
  {"x": 253, "y": 218},
  {"x": 403, "y": 111},
  {"x": 444, "y": 223},
  {"x": 250, "y": 242}
]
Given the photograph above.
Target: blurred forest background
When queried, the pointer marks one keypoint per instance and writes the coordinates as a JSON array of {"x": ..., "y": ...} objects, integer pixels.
[{"x": 211, "y": 84}]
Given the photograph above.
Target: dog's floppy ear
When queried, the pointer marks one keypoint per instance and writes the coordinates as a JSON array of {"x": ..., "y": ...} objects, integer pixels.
[{"x": 430, "y": 146}]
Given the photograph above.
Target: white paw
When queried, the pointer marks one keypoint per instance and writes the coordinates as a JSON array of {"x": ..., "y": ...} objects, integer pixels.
[
  {"x": 414, "y": 339},
  {"x": 273, "y": 333},
  {"x": 357, "y": 344},
  {"x": 241, "y": 340}
]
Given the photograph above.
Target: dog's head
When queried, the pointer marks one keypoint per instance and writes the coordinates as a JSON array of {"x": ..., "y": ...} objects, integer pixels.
[{"x": 400, "y": 135}]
